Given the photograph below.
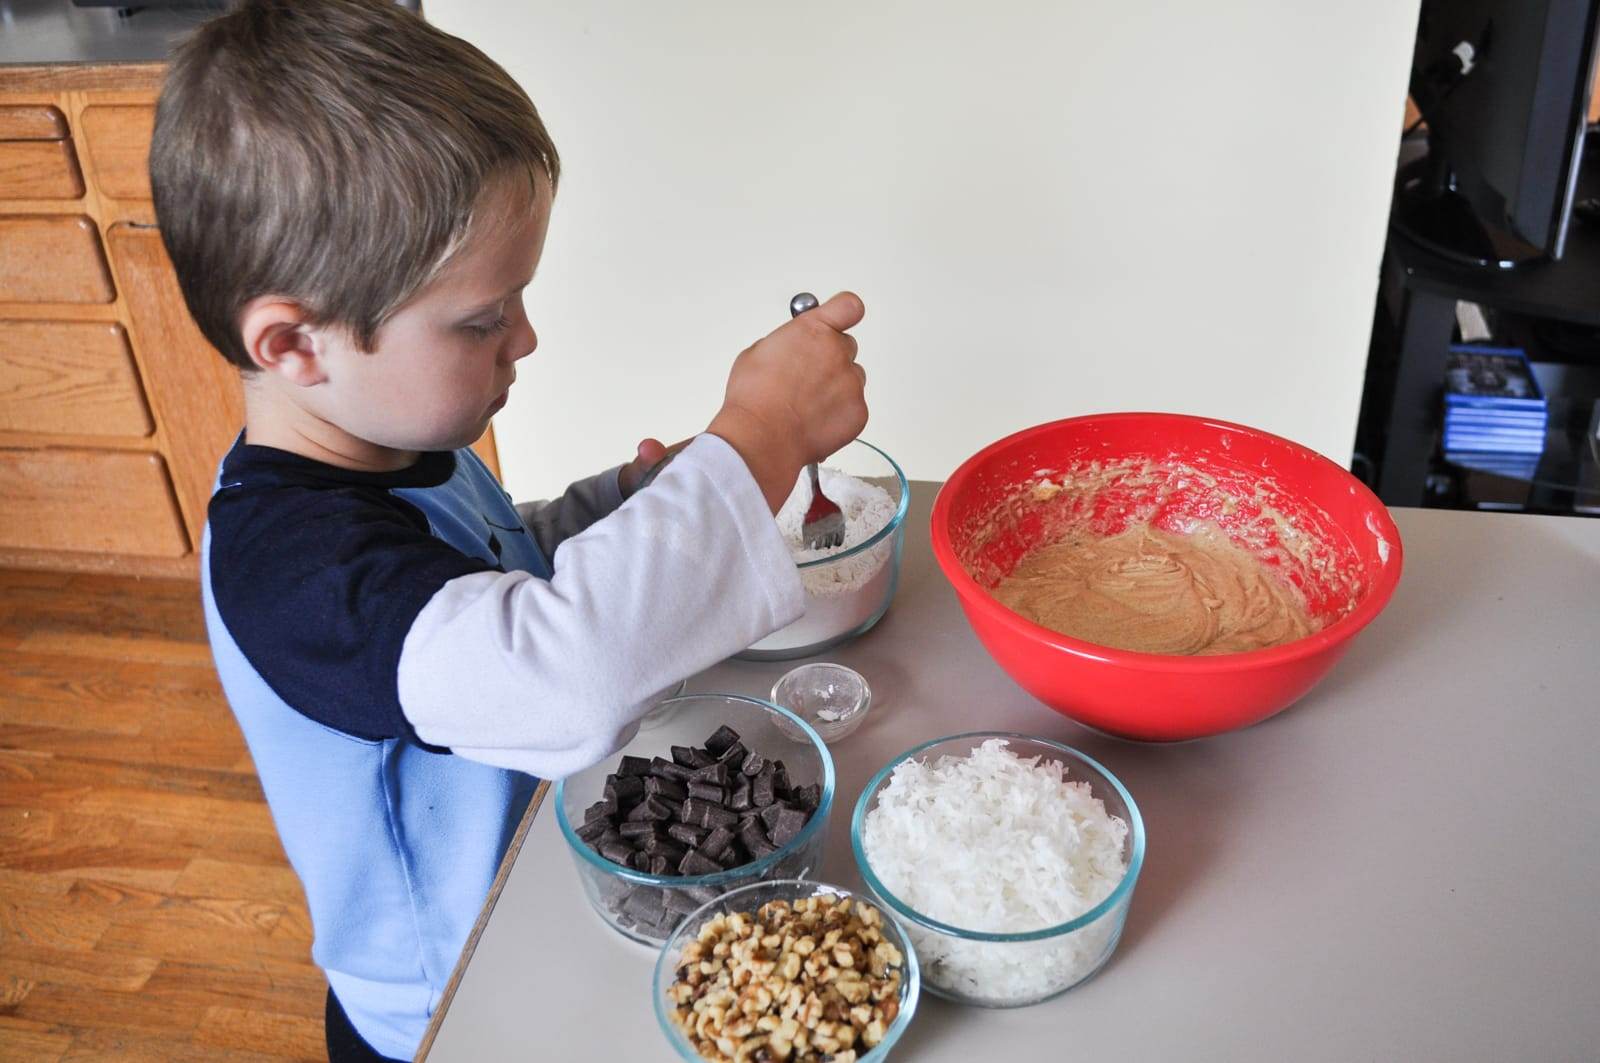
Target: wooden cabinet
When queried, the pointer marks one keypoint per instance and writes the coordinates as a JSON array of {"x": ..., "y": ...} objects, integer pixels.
[{"x": 114, "y": 411}]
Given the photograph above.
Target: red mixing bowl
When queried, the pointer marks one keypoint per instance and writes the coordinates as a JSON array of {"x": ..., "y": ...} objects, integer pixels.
[{"x": 1314, "y": 523}]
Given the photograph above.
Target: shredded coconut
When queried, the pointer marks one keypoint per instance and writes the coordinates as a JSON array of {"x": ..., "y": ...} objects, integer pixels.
[{"x": 997, "y": 843}]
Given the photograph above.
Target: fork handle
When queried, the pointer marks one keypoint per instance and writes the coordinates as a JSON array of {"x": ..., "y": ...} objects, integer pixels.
[{"x": 797, "y": 306}]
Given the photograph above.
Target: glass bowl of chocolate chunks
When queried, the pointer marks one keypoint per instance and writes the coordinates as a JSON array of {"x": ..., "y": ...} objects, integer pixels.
[{"x": 728, "y": 790}]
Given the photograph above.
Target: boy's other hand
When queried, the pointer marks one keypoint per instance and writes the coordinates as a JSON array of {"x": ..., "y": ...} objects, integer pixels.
[
  {"x": 650, "y": 452},
  {"x": 796, "y": 396}
]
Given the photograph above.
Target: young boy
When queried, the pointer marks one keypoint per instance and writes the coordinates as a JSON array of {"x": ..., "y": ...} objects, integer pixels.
[{"x": 354, "y": 203}]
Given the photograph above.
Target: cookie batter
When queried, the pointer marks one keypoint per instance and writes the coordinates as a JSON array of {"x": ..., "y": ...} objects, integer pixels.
[{"x": 1151, "y": 591}]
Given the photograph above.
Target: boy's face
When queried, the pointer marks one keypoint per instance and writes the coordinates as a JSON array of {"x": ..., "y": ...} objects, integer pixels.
[{"x": 443, "y": 363}]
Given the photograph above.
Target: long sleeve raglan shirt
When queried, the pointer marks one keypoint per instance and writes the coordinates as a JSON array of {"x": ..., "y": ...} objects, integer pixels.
[{"x": 407, "y": 651}]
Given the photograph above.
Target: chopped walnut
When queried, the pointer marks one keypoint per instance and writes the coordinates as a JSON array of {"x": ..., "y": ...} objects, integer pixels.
[{"x": 809, "y": 981}]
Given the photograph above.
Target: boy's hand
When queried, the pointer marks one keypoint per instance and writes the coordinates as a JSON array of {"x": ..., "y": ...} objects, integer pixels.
[
  {"x": 650, "y": 452},
  {"x": 796, "y": 396}
]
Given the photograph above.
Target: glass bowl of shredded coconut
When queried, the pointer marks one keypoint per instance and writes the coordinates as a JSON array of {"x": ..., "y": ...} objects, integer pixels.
[
  {"x": 848, "y": 587},
  {"x": 1009, "y": 860}
]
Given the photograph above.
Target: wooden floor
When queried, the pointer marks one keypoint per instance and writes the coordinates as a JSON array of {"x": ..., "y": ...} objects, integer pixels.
[{"x": 146, "y": 908}]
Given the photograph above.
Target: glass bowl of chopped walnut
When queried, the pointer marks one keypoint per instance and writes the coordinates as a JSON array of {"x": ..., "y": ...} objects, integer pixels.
[{"x": 789, "y": 970}]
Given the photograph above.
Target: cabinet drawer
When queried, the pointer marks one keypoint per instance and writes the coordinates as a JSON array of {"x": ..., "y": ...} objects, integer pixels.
[
  {"x": 39, "y": 169},
  {"x": 117, "y": 140},
  {"x": 52, "y": 259},
  {"x": 89, "y": 501},
  {"x": 36, "y": 158},
  {"x": 69, "y": 378},
  {"x": 32, "y": 121}
]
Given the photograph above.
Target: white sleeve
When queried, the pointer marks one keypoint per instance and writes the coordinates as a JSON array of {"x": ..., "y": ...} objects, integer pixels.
[
  {"x": 554, "y": 522},
  {"x": 549, "y": 677}
]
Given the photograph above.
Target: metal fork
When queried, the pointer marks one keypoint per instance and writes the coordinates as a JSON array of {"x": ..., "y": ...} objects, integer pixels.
[{"x": 823, "y": 526}]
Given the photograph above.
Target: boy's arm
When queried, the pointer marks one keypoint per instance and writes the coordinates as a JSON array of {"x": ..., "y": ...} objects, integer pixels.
[
  {"x": 552, "y": 523},
  {"x": 549, "y": 677}
]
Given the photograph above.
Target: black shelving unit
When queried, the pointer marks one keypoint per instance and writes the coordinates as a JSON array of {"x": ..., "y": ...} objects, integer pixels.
[{"x": 1413, "y": 329}]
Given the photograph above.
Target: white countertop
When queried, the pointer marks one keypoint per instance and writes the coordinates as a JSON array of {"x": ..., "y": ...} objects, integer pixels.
[{"x": 1403, "y": 866}]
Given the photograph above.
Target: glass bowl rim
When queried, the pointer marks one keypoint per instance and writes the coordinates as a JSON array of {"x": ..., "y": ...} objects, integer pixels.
[
  {"x": 911, "y": 981},
  {"x": 863, "y": 702},
  {"x": 878, "y": 536},
  {"x": 743, "y": 871},
  {"x": 900, "y": 907}
]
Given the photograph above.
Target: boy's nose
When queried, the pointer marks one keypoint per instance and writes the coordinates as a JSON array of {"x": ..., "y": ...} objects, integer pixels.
[{"x": 522, "y": 344}]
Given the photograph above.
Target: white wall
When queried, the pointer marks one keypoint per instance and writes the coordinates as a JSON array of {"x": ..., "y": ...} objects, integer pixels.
[{"x": 1049, "y": 208}]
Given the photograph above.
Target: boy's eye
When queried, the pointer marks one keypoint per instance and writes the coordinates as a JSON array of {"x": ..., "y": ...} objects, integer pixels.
[{"x": 483, "y": 332}]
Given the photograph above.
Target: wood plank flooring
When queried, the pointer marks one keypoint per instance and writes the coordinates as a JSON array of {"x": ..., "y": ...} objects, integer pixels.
[{"x": 146, "y": 908}]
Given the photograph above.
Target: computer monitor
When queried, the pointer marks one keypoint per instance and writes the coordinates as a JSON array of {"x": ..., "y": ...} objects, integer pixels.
[{"x": 1503, "y": 87}]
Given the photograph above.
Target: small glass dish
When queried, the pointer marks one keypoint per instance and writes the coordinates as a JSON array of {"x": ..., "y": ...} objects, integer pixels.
[
  {"x": 647, "y": 907},
  {"x": 849, "y": 591},
  {"x": 1040, "y": 963},
  {"x": 750, "y": 899},
  {"x": 830, "y": 697}
]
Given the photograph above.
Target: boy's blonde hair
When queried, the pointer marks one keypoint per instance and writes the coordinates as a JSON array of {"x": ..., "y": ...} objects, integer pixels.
[{"x": 328, "y": 151}]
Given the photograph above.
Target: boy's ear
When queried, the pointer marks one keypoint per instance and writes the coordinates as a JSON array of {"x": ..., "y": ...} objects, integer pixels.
[{"x": 279, "y": 338}]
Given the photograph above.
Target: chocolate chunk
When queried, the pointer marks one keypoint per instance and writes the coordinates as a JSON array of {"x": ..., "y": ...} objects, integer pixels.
[
  {"x": 780, "y": 777},
  {"x": 692, "y": 811},
  {"x": 761, "y": 790},
  {"x": 658, "y": 844},
  {"x": 683, "y": 755},
  {"x": 605, "y": 809},
  {"x": 753, "y": 838},
  {"x": 636, "y": 830},
  {"x": 770, "y": 814},
  {"x": 634, "y": 766},
  {"x": 733, "y": 857},
  {"x": 644, "y": 905},
  {"x": 716, "y": 816},
  {"x": 625, "y": 789},
  {"x": 790, "y": 822},
  {"x": 808, "y": 797},
  {"x": 591, "y": 831},
  {"x": 753, "y": 763},
  {"x": 687, "y": 833},
  {"x": 703, "y": 894},
  {"x": 707, "y": 791},
  {"x": 739, "y": 796},
  {"x": 734, "y": 755},
  {"x": 717, "y": 843},
  {"x": 695, "y": 862},
  {"x": 762, "y": 850},
  {"x": 662, "y": 768},
  {"x": 651, "y": 808},
  {"x": 616, "y": 850},
  {"x": 669, "y": 788},
  {"x": 639, "y": 861},
  {"x": 721, "y": 739},
  {"x": 681, "y": 901},
  {"x": 716, "y": 774},
  {"x": 660, "y": 864}
]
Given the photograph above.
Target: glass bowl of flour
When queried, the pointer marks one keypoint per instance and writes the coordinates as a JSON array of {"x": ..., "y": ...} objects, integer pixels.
[{"x": 849, "y": 587}]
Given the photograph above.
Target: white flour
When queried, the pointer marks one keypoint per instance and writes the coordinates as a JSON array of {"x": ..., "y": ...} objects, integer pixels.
[{"x": 840, "y": 597}]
